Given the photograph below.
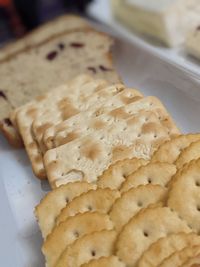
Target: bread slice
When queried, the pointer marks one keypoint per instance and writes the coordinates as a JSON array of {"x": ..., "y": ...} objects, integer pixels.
[
  {"x": 44, "y": 66},
  {"x": 57, "y": 25}
]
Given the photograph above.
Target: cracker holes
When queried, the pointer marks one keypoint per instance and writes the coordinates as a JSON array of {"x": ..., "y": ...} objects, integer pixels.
[
  {"x": 155, "y": 136},
  {"x": 76, "y": 234},
  {"x": 93, "y": 253},
  {"x": 151, "y": 104},
  {"x": 101, "y": 138},
  {"x": 125, "y": 128},
  {"x": 67, "y": 200},
  {"x": 89, "y": 207},
  {"x": 139, "y": 135},
  {"x": 146, "y": 119},
  {"x": 198, "y": 207},
  {"x": 79, "y": 158},
  {"x": 149, "y": 180},
  {"x": 197, "y": 183},
  {"x": 124, "y": 176},
  {"x": 146, "y": 234},
  {"x": 140, "y": 204}
]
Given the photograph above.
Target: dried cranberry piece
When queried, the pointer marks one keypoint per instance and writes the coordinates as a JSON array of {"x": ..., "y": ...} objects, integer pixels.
[
  {"x": 92, "y": 69},
  {"x": 8, "y": 122},
  {"x": 61, "y": 46},
  {"x": 77, "y": 45},
  {"x": 52, "y": 55},
  {"x": 103, "y": 68},
  {"x": 3, "y": 95}
]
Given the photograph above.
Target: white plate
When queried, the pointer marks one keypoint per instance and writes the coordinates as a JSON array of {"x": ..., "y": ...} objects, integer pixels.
[{"x": 20, "y": 191}]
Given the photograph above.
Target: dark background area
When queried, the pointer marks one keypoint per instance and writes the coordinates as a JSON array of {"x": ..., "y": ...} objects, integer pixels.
[{"x": 17, "y": 17}]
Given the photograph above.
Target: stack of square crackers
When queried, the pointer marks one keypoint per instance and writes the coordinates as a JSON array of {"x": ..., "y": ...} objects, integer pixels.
[
  {"x": 138, "y": 213},
  {"x": 77, "y": 130}
]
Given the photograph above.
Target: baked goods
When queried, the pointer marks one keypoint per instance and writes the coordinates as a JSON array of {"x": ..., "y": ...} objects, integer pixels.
[
  {"x": 91, "y": 246},
  {"x": 136, "y": 131},
  {"x": 132, "y": 201},
  {"x": 165, "y": 247},
  {"x": 86, "y": 51},
  {"x": 46, "y": 31},
  {"x": 59, "y": 133},
  {"x": 184, "y": 194},
  {"x": 144, "y": 229},
  {"x": 67, "y": 100},
  {"x": 50, "y": 206},
  {"x": 170, "y": 150},
  {"x": 179, "y": 257},
  {"x": 70, "y": 230},
  {"x": 150, "y": 174},
  {"x": 115, "y": 175},
  {"x": 100, "y": 200},
  {"x": 105, "y": 261},
  {"x": 167, "y": 21}
]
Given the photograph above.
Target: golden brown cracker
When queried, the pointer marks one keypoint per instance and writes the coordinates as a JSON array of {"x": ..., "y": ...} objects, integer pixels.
[
  {"x": 132, "y": 201},
  {"x": 144, "y": 229},
  {"x": 50, "y": 206},
  {"x": 116, "y": 173},
  {"x": 166, "y": 246},
  {"x": 170, "y": 150},
  {"x": 91, "y": 246},
  {"x": 152, "y": 173},
  {"x": 184, "y": 194},
  {"x": 70, "y": 230},
  {"x": 100, "y": 200}
]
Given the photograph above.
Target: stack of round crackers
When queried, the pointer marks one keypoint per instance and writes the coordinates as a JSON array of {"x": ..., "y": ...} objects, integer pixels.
[{"x": 139, "y": 213}]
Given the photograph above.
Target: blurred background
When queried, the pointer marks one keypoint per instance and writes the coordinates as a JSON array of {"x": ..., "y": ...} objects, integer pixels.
[{"x": 17, "y": 17}]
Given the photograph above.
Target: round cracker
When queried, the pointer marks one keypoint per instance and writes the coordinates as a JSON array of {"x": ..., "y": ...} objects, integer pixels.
[
  {"x": 192, "y": 262},
  {"x": 51, "y": 205},
  {"x": 70, "y": 230},
  {"x": 180, "y": 257},
  {"x": 190, "y": 153},
  {"x": 116, "y": 174},
  {"x": 150, "y": 174},
  {"x": 170, "y": 150},
  {"x": 111, "y": 261},
  {"x": 184, "y": 195},
  {"x": 132, "y": 201},
  {"x": 166, "y": 246},
  {"x": 144, "y": 229},
  {"x": 91, "y": 246},
  {"x": 94, "y": 200}
]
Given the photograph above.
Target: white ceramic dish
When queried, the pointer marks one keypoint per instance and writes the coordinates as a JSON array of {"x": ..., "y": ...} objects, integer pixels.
[{"x": 20, "y": 191}]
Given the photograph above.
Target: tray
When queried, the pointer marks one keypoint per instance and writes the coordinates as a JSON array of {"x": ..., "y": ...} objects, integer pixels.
[{"x": 20, "y": 191}]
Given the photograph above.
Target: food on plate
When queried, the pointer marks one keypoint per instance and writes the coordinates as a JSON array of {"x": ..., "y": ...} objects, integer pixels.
[
  {"x": 184, "y": 194},
  {"x": 150, "y": 174},
  {"x": 166, "y": 20},
  {"x": 165, "y": 247},
  {"x": 51, "y": 205},
  {"x": 91, "y": 246},
  {"x": 116, "y": 174},
  {"x": 49, "y": 64},
  {"x": 100, "y": 200},
  {"x": 144, "y": 229},
  {"x": 192, "y": 43},
  {"x": 70, "y": 230}
]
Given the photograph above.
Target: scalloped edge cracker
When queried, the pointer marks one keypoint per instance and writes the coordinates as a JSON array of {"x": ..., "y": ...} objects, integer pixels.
[{"x": 50, "y": 206}]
